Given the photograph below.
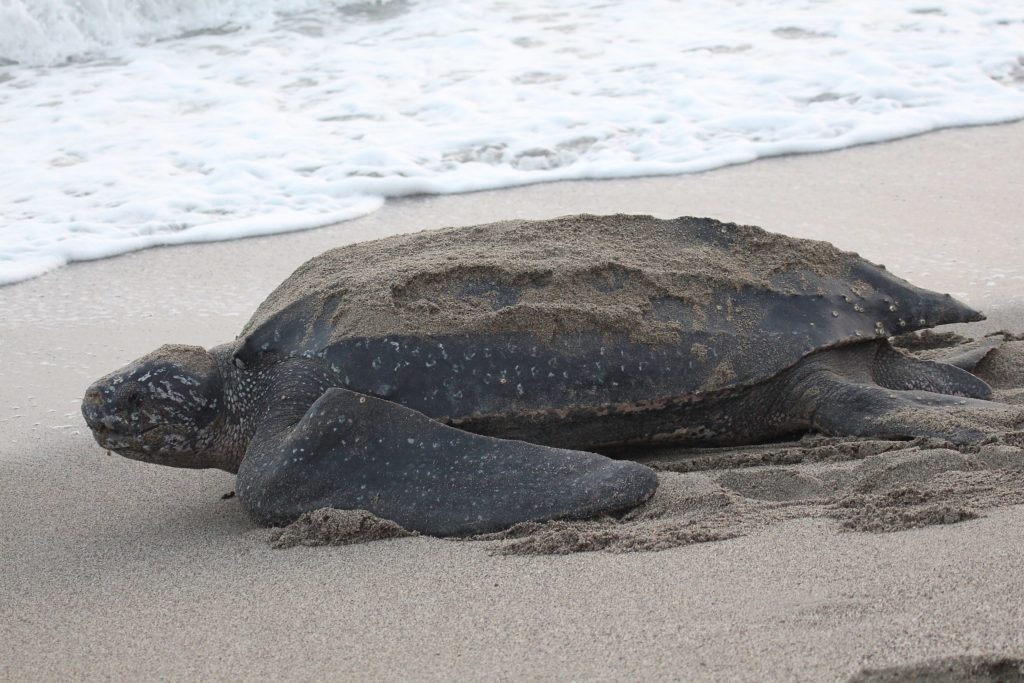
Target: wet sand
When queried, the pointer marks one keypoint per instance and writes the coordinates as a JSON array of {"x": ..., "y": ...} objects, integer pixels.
[{"x": 113, "y": 568}]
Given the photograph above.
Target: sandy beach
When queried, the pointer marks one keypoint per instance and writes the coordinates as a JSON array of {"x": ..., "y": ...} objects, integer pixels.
[{"x": 114, "y": 569}]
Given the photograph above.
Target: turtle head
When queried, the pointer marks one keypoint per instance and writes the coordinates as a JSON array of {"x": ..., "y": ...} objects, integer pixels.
[{"x": 166, "y": 408}]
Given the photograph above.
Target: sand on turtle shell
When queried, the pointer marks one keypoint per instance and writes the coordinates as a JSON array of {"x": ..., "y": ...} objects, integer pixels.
[
  {"x": 713, "y": 494},
  {"x": 579, "y": 272}
]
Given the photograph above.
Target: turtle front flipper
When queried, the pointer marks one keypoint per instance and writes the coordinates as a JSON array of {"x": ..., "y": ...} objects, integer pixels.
[{"x": 352, "y": 451}]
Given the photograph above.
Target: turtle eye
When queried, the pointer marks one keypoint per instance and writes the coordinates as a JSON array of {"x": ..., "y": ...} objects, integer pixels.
[{"x": 131, "y": 396}]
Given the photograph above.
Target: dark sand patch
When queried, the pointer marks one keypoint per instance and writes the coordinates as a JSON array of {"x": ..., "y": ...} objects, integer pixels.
[{"x": 979, "y": 669}]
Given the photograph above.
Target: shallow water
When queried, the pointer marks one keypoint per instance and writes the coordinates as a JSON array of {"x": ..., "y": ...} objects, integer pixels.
[{"x": 131, "y": 123}]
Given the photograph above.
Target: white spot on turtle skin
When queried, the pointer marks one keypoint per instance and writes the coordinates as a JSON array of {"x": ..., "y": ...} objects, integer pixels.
[{"x": 835, "y": 314}]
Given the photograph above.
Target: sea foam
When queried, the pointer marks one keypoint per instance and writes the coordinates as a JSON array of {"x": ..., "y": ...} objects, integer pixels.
[{"x": 131, "y": 123}]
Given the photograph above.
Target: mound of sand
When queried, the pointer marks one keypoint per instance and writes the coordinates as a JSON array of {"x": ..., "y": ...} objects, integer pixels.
[{"x": 327, "y": 526}]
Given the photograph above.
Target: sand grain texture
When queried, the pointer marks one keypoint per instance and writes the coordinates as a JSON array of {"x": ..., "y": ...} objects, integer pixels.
[{"x": 336, "y": 527}]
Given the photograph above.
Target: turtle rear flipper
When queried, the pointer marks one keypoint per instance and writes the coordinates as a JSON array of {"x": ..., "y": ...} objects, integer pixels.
[
  {"x": 895, "y": 370},
  {"x": 874, "y": 411},
  {"x": 870, "y": 390},
  {"x": 353, "y": 451}
]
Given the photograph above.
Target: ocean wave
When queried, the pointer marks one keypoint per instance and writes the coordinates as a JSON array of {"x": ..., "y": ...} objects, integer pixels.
[
  {"x": 192, "y": 120},
  {"x": 50, "y": 32}
]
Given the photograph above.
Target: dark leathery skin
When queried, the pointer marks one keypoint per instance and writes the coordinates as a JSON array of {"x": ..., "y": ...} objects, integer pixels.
[{"x": 426, "y": 476}]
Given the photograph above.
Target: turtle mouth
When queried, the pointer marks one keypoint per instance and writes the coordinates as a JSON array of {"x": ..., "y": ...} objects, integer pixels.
[
  {"x": 112, "y": 438},
  {"x": 107, "y": 425}
]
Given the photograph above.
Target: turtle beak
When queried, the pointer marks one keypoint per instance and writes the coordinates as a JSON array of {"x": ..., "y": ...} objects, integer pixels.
[
  {"x": 92, "y": 407},
  {"x": 100, "y": 413}
]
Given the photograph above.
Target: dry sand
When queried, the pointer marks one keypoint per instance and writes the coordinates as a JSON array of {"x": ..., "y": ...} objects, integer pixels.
[{"x": 118, "y": 569}]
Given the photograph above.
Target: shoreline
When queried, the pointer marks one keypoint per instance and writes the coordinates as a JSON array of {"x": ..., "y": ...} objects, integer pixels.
[
  {"x": 207, "y": 233},
  {"x": 119, "y": 569}
]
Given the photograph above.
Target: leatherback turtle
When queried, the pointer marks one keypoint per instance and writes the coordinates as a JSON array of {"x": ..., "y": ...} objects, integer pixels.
[{"x": 458, "y": 381}]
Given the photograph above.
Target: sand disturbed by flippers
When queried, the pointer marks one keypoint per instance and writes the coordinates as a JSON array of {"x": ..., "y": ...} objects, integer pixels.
[
  {"x": 327, "y": 526},
  {"x": 898, "y": 490},
  {"x": 865, "y": 485}
]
